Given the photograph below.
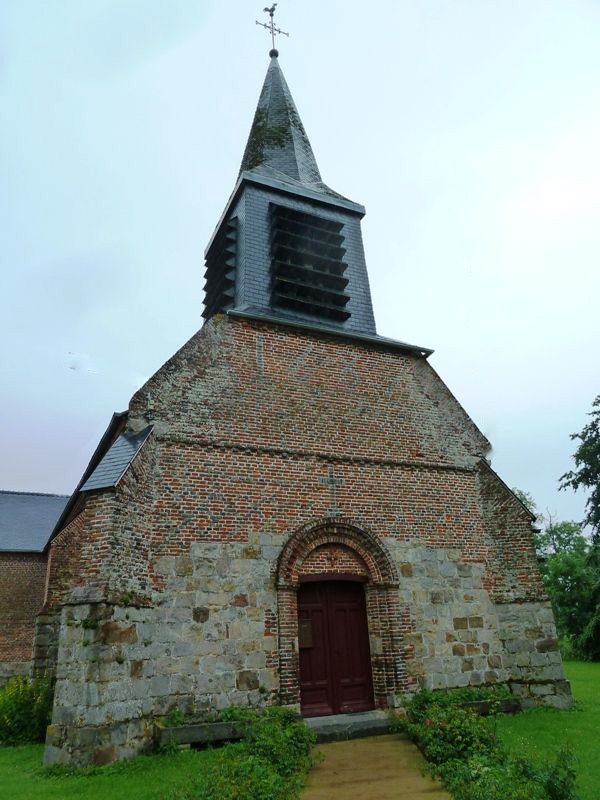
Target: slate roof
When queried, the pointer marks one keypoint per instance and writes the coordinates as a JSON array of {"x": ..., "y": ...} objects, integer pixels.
[
  {"x": 27, "y": 519},
  {"x": 278, "y": 146},
  {"x": 116, "y": 460}
]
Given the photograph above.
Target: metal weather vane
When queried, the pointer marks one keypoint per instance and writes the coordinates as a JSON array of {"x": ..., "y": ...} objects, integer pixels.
[{"x": 270, "y": 25}]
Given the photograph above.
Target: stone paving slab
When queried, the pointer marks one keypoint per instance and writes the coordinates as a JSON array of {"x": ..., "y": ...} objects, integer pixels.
[
  {"x": 350, "y": 726},
  {"x": 380, "y": 768}
]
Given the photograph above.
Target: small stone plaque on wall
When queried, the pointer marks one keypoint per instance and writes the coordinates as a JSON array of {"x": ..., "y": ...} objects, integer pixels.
[{"x": 305, "y": 638}]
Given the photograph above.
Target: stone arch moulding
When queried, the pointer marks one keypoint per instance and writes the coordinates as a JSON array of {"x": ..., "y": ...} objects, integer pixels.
[
  {"x": 330, "y": 531},
  {"x": 382, "y": 597}
]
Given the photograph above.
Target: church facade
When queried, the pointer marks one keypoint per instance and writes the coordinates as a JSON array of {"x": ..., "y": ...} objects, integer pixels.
[{"x": 293, "y": 509}]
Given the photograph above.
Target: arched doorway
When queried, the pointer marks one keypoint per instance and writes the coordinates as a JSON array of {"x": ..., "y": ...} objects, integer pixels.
[
  {"x": 333, "y": 647},
  {"x": 337, "y": 551}
]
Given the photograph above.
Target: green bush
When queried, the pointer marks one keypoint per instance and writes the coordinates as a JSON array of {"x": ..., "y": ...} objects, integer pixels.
[
  {"x": 587, "y": 644},
  {"x": 567, "y": 648},
  {"x": 270, "y": 764},
  {"x": 557, "y": 777},
  {"x": 418, "y": 706},
  {"x": 25, "y": 710},
  {"x": 239, "y": 775},
  {"x": 236, "y": 714},
  {"x": 451, "y": 732},
  {"x": 502, "y": 777},
  {"x": 486, "y": 778},
  {"x": 463, "y": 752},
  {"x": 176, "y": 719},
  {"x": 283, "y": 740}
]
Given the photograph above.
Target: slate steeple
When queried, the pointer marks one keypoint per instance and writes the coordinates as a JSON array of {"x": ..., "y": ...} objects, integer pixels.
[
  {"x": 287, "y": 248},
  {"x": 277, "y": 139}
]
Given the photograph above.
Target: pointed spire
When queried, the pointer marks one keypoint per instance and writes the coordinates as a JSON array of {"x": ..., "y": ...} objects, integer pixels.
[{"x": 277, "y": 138}]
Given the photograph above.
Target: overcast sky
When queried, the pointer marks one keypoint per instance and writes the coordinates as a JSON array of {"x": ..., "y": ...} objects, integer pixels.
[{"x": 470, "y": 130}]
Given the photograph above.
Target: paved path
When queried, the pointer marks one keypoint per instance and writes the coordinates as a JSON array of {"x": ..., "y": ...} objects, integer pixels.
[{"x": 377, "y": 768}]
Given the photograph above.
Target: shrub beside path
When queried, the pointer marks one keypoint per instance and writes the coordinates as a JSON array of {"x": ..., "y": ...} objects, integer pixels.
[{"x": 377, "y": 768}]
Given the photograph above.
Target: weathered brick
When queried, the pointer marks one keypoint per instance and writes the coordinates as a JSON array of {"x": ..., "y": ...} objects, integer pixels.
[{"x": 22, "y": 583}]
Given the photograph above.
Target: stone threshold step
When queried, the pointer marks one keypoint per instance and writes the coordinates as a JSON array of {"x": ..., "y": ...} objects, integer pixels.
[{"x": 340, "y": 727}]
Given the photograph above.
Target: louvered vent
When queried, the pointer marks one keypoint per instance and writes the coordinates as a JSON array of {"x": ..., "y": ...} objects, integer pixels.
[
  {"x": 307, "y": 269},
  {"x": 220, "y": 270}
]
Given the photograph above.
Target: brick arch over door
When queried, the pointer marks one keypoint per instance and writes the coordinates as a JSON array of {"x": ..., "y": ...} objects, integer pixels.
[{"x": 332, "y": 546}]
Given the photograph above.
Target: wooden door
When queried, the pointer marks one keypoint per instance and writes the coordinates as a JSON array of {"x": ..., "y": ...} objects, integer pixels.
[{"x": 335, "y": 660}]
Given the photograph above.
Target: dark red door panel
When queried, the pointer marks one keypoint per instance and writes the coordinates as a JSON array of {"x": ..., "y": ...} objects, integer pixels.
[
  {"x": 315, "y": 667},
  {"x": 335, "y": 661}
]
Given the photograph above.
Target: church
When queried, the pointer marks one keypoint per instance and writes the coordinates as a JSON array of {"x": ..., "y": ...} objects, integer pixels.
[{"x": 293, "y": 509}]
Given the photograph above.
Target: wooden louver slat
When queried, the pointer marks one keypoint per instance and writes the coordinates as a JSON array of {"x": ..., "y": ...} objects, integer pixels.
[
  {"x": 220, "y": 271},
  {"x": 307, "y": 270}
]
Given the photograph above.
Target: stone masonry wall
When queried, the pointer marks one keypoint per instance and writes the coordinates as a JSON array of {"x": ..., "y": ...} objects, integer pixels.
[
  {"x": 264, "y": 436},
  {"x": 531, "y": 657},
  {"x": 461, "y": 637},
  {"x": 209, "y": 641},
  {"x": 22, "y": 582}
]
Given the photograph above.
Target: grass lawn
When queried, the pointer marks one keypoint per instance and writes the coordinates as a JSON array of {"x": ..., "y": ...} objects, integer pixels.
[
  {"x": 544, "y": 731},
  {"x": 23, "y": 778}
]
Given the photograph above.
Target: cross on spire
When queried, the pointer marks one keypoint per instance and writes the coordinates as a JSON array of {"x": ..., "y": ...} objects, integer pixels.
[
  {"x": 270, "y": 26},
  {"x": 332, "y": 482}
]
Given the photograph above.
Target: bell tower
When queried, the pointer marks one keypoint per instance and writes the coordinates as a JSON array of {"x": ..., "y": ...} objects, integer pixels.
[{"x": 287, "y": 248}]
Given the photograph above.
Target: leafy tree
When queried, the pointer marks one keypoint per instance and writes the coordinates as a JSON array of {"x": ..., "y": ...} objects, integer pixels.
[
  {"x": 587, "y": 644},
  {"x": 560, "y": 537},
  {"x": 587, "y": 469},
  {"x": 569, "y": 577},
  {"x": 570, "y": 583},
  {"x": 586, "y": 475},
  {"x": 527, "y": 499}
]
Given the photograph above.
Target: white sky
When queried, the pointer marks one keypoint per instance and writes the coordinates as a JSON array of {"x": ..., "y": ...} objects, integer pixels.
[{"x": 470, "y": 130}]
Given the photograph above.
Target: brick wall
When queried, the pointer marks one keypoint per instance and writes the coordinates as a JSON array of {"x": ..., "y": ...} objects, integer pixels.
[
  {"x": 246, "y": 384},
  {"x": 22, "y": 583},
  {"x": 333, "y": 559},
  {"x": 277, "y": 453},
  {"x": 64, "y": 561}
]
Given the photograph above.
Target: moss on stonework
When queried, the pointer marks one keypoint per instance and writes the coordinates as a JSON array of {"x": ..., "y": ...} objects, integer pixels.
[
  {"x": 263, "y": 135},
  {"x": 295, "y": 120},
  {"x": 128, "y": 599}
]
